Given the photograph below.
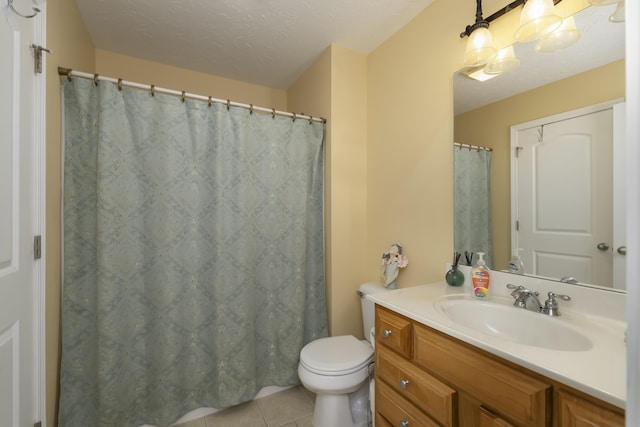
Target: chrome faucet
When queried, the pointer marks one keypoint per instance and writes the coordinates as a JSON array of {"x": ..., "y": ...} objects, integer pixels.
[
  {"x": 525, "y": 298},
  {"x": 551, "y": 305}
]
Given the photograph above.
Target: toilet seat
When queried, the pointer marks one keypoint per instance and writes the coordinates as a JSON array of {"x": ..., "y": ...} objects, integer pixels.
[{"x": 341, "y": 355}]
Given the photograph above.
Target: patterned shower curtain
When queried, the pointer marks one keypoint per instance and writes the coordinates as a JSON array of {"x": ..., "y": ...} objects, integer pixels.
[
  {"x": 472, "y": 202},
  {"x": 193, "y": 254}
]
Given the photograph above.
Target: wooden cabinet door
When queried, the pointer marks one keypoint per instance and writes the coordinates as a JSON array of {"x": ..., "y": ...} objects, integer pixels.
[{"x": 577, "y": 412}]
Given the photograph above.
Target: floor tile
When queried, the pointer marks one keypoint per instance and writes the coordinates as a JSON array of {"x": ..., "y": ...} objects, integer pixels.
[
  {"x": 285, "y": 407},
  {"x": 199, "y": 422},
  {"x": 245, "y": 415},
  {"x": 304, "y": 422}
]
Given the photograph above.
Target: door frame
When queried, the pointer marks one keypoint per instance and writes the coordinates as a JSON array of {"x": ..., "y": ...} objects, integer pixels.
[
  {"x": 39, "y": 218},
  {"x": 513, "y": 152}
]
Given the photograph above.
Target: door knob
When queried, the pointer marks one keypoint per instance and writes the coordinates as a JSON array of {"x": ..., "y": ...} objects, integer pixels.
[
  {"x": 602, "y": 246},
  {"x": 622, "y": 250}
]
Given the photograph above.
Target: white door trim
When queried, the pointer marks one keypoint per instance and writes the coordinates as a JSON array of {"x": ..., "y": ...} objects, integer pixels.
[{"x": 39, "y": 219}]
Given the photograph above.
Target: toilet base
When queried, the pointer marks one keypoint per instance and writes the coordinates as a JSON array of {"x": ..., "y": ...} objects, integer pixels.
[{"x": 344, "y": 410}]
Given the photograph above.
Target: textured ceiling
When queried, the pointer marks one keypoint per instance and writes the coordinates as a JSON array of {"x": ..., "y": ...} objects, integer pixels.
[
  {"x": 266, "y": 42},
  {"x": 271, "y": 42}
]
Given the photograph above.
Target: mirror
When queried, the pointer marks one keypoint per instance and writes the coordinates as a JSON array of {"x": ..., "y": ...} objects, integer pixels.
[{"x": 587, "y": 73}]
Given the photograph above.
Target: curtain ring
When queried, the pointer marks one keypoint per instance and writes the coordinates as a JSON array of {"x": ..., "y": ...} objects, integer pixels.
[
  {"x": 209, "y": 102},
  {"x": 120, "y": 84},
  {"x": 228, "y": 104},
  {"x": 69, "y": 74},
  {"x": 310, "y": 119},
  {"x": 183, "y": 96},
  {"x": 273, "y": 113},
  {"x": 95, "y": 79},
  {"x": 250, "y": 108},
  {"x": 153, "y": 90},
  {"x": 294, "y": 117}
]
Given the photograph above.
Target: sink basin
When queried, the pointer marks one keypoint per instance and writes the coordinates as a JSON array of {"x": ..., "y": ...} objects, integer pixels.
[{"x": 513, "y": 324}]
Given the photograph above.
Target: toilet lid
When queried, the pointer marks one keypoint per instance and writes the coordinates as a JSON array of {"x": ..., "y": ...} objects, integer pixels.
[{"x": 340, "y": 355}]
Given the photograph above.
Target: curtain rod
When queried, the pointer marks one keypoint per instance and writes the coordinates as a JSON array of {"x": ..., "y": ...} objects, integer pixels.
[
  {"x": 69, "y": 73},
  {"x": 472, "y": 147}
]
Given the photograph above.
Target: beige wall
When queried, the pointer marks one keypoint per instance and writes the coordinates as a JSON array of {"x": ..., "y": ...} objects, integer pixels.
[
  {"x": 410, "y": 130},
  {"x": 335, "y": 88},
  {"x": 489, "y": 126},
  {"x": 72, "y": 48},
  {"x": 148, "y": 72}
]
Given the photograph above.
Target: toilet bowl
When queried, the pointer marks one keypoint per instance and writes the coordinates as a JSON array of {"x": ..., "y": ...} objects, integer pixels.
[{"x": 338, "y": 369}]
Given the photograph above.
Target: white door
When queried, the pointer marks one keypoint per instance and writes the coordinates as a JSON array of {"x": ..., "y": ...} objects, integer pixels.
[
  {"x": 564, "y": 201},
  {"x": 20, "y": 365}
]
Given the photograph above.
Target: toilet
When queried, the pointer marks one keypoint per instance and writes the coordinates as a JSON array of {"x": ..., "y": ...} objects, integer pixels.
[{"x": 337, "y": 370}]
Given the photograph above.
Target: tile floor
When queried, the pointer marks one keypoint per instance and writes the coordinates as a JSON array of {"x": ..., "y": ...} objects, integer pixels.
[{"x": 289, "y": 408}]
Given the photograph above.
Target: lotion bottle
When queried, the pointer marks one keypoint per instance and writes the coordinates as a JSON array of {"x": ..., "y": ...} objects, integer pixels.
[
  {"x": 480, "y": 277},
  {"x": 515, "y": 265}
]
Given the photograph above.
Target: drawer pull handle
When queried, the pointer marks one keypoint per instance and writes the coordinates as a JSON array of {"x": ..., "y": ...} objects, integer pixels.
[
  {"x": 386, "y": 333},
  {"x": 404, "y": 384},
  {"x": 404, "y": 423}
]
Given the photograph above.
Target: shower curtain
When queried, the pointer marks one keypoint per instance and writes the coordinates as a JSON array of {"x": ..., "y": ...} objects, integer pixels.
[
  {"x": 193, "y": 254},
  {"x": 472, "y": 202}
]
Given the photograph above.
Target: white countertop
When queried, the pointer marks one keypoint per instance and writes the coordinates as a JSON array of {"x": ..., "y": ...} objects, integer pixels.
[{"x": 599, "y": 371}]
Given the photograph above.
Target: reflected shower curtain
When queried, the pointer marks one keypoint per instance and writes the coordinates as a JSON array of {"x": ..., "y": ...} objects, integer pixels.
[
  {"x": 193, "y": 254},
  {"x": 472, "y": 202}
]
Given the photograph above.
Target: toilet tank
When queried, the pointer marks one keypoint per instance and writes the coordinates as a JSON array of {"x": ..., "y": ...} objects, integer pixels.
[{"x": 368, "y": 314}]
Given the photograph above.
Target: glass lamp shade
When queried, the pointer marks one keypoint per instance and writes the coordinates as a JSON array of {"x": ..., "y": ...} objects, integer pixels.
[
  {"x": 538, "y": 18},
  {"x": 504, "y": 61},
  {"x": 480, "y": 48},
  {"x": 618, "y": 14},
  {"x": 561, "y": 38}
]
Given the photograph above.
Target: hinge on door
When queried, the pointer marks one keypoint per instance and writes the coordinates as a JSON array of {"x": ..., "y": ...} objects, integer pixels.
[
  {"x": 38, "y": 424},
  {"x": 518, "y": 151},
  {"x": 517, "y": 225},
  {"x": 37, "y": 57},
  {"x": 37, "y": 247}
]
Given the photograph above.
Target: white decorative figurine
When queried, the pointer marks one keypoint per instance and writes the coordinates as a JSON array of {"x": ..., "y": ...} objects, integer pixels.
[{"x": 392, "y": 262}]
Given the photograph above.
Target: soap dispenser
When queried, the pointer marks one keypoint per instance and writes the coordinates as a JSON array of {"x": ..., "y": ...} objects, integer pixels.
[{"x": 480, "y": 277}]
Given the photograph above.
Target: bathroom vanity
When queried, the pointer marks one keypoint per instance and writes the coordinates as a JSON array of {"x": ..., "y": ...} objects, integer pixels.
[{"x": 435, "y": 368}]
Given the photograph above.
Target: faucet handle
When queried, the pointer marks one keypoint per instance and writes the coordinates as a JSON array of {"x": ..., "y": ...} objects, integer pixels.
[{"x": 551, "y": 305}]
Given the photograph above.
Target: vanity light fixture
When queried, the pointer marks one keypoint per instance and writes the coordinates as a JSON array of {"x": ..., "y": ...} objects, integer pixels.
[
  {"x": 618, "y": 14},
  {"x": 538, "y": 18},
  {"x": 480, "y": 47},
  {"x": 504, "y": 61},
  {"x": 566, "y": 35}
]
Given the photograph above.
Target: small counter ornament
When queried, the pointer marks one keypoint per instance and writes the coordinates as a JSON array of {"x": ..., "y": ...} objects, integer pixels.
[
  {"x": 392, "y": 262},
  {"x": 454, "y": 277}
]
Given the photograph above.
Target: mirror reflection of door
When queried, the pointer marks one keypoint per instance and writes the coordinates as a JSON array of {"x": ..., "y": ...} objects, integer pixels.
[{"x": 563, "y": 210}]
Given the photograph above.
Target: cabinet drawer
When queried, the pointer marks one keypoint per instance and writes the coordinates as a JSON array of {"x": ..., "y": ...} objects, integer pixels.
[
  {"x": 417, "y": 386},
  {"x": 394, "y": 331},
  {"x": 398, "y": 411},
  {"x": 513, "y": 394},
  {"x": 575, "y": 411}
]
